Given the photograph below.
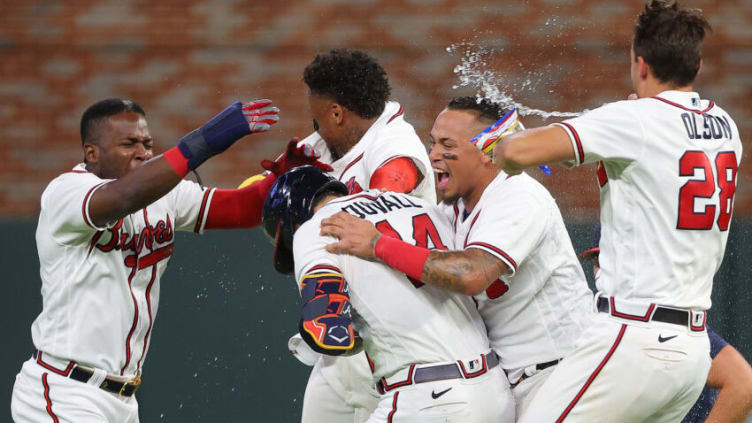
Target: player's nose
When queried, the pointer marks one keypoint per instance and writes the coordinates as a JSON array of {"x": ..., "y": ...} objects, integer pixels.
[{"x": 143, "y": 153}]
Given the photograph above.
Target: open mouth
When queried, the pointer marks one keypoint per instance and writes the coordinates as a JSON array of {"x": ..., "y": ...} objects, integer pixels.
[{"x": 442, "y": 178}]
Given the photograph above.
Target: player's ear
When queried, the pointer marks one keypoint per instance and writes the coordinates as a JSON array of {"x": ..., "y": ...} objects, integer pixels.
[
  {"x": 644, "y": 68},
  {"x": 337, "y": 113},
  {"x": 91, "y": 153}
]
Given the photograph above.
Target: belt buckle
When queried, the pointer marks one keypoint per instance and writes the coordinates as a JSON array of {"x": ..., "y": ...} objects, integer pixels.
[{"x": 135, "y": 382}]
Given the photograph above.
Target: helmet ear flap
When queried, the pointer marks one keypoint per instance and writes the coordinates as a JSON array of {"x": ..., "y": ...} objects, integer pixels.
[{"x": 283, "y": 260}]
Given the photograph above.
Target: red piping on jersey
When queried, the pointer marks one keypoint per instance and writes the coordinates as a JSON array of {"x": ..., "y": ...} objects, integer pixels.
[
  {"x": 135, "y": 320},
  {"x": 699, "y": 112},
  {"x": 497, "y": 250},
  {"x": 86, "y": 201},
  {"x": 396, "y": 115},
  {"x": 148, "y": 308},
  {"x": 394, "y": 408},
  {"x": 357, "y": 159},
  {"x": 47, "y": 398},
  {"x": 644, "y": 318},
  {"x": 201, "y": 211},
  {"x": 592, "y": 376},
  {"x": 79, "y": 171},
  {"x": 49, "y": 367},
  {"x": 580, "y": 153},
  {"x": 370, "y": 362},
  {"x": 471, "y": 226}
]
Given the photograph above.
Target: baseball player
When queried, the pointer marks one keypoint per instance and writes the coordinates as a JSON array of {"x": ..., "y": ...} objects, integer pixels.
[
  {"x": 513, "y": 253},
  {"x": 368, "y": 143},
  {"x": 105, "y": 235},
  {"x": 727, "y": 396},
  {"x": 427, "y": 347},
  {"x": 668, "y": 164}
]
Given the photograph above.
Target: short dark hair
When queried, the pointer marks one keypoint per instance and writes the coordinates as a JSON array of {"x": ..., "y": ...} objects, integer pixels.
[
  {"x": 486, "y": 109},
  {"x": 669, "y": 38},
  {"x": 104, "y": 109},
  {"x": 352, "y": 78}
]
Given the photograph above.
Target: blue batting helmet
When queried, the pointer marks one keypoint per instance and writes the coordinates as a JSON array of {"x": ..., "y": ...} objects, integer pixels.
[{"x": 289, "y": 204}]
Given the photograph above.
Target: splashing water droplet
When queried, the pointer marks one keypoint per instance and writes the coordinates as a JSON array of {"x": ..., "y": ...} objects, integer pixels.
[{"x": 472, "y": 72}]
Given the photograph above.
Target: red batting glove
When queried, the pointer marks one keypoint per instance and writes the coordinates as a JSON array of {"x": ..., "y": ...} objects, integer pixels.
[{"x": 293, "y": 157}]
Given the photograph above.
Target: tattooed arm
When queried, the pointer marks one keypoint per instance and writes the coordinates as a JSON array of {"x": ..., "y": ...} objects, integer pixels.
[{"x": 470, "y": 271}]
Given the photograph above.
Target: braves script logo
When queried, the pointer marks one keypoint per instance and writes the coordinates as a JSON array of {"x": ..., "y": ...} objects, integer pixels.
[{"x": 149, "y": 237}]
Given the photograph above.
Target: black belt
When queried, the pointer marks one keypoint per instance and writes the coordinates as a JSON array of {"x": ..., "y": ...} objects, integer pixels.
[
  {"x": 661, "y": 314},
  {"x": 125, "y": 389},
  {"x": 440, "y": 372},
  {"x": 538, "y": 367}
]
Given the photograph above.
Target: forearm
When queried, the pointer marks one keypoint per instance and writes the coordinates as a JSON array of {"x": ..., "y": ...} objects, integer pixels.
[
  {"x": 239, "y": 208},
  {"x": 457, "y": 271},
  {"x": 454, "y": 271},
  {"x": 134, "y": 191},
  {"x": 533, "y": 147},
  {"x": 731, "y": 406}
]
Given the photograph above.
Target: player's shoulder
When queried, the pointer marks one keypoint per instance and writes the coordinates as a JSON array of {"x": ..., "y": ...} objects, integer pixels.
[
  {"x": 78, "y": 176},
  {"x": 517, "y": 187}
]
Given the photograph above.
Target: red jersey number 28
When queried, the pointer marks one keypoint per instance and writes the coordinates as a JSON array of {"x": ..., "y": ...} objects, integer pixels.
[{"x": 726, "y": 166}]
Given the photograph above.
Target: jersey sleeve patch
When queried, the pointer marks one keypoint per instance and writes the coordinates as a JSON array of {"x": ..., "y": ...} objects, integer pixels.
[{"x": 326, "y": 320}]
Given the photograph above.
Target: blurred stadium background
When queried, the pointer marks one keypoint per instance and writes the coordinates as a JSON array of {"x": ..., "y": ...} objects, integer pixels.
[{"x": 219, "y": 349}]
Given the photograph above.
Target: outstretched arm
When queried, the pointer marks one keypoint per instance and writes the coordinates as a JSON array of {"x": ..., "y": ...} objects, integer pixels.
[
  {"x": 533, "y": 147},
  {"x": 243, "y": 207},
  {"x": 155, "y": 178},
  {"x": 730, "y": 373},
  {"x": 469, "y": 272}
]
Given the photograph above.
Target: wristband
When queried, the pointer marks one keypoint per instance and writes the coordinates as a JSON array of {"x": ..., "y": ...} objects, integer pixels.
[
  {"x": 177, "y": 160},
  {"x": 214, "y": 136},
  {"x": 402, "y": 256}
]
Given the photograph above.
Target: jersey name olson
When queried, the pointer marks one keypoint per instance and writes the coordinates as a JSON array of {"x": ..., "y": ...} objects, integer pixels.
[
  {"x": 710, "y": 127},
  {"x": 381, "y": 204}
]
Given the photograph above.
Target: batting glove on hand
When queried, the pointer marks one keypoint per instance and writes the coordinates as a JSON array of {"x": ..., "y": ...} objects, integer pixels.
[
  {"x": 231, "y": 124},
  {"x": 260, "y": 115},
  {"x": 293, "y": 157}
]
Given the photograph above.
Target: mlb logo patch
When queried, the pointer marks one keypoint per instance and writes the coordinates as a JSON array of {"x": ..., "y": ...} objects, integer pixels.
[{"x": 474, "y": 364}]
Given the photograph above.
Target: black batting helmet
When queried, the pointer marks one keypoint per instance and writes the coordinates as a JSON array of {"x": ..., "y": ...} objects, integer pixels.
[{"x": 289, "y": 204}]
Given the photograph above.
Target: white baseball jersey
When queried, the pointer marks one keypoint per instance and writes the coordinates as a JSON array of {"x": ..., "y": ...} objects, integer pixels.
[
  {"x": 100, "y": 285},
  {"x": 668, "y": 177},
  {"x": 535, "y": 312},
  {"x": 402, "y": 322},
  {"x": 390, "y": 137}
]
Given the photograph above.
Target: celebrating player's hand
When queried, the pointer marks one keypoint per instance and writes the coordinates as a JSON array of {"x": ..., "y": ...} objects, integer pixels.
[
  {"x": 293, "y": 157},
  {"x": 260, "y": 115},
  {"x": 356, "y": 236}
]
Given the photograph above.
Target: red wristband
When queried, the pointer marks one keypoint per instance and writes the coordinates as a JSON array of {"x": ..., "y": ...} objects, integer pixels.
[
  {"x": 402, "y": 256},
  {"x": 177, "y": 160}
]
